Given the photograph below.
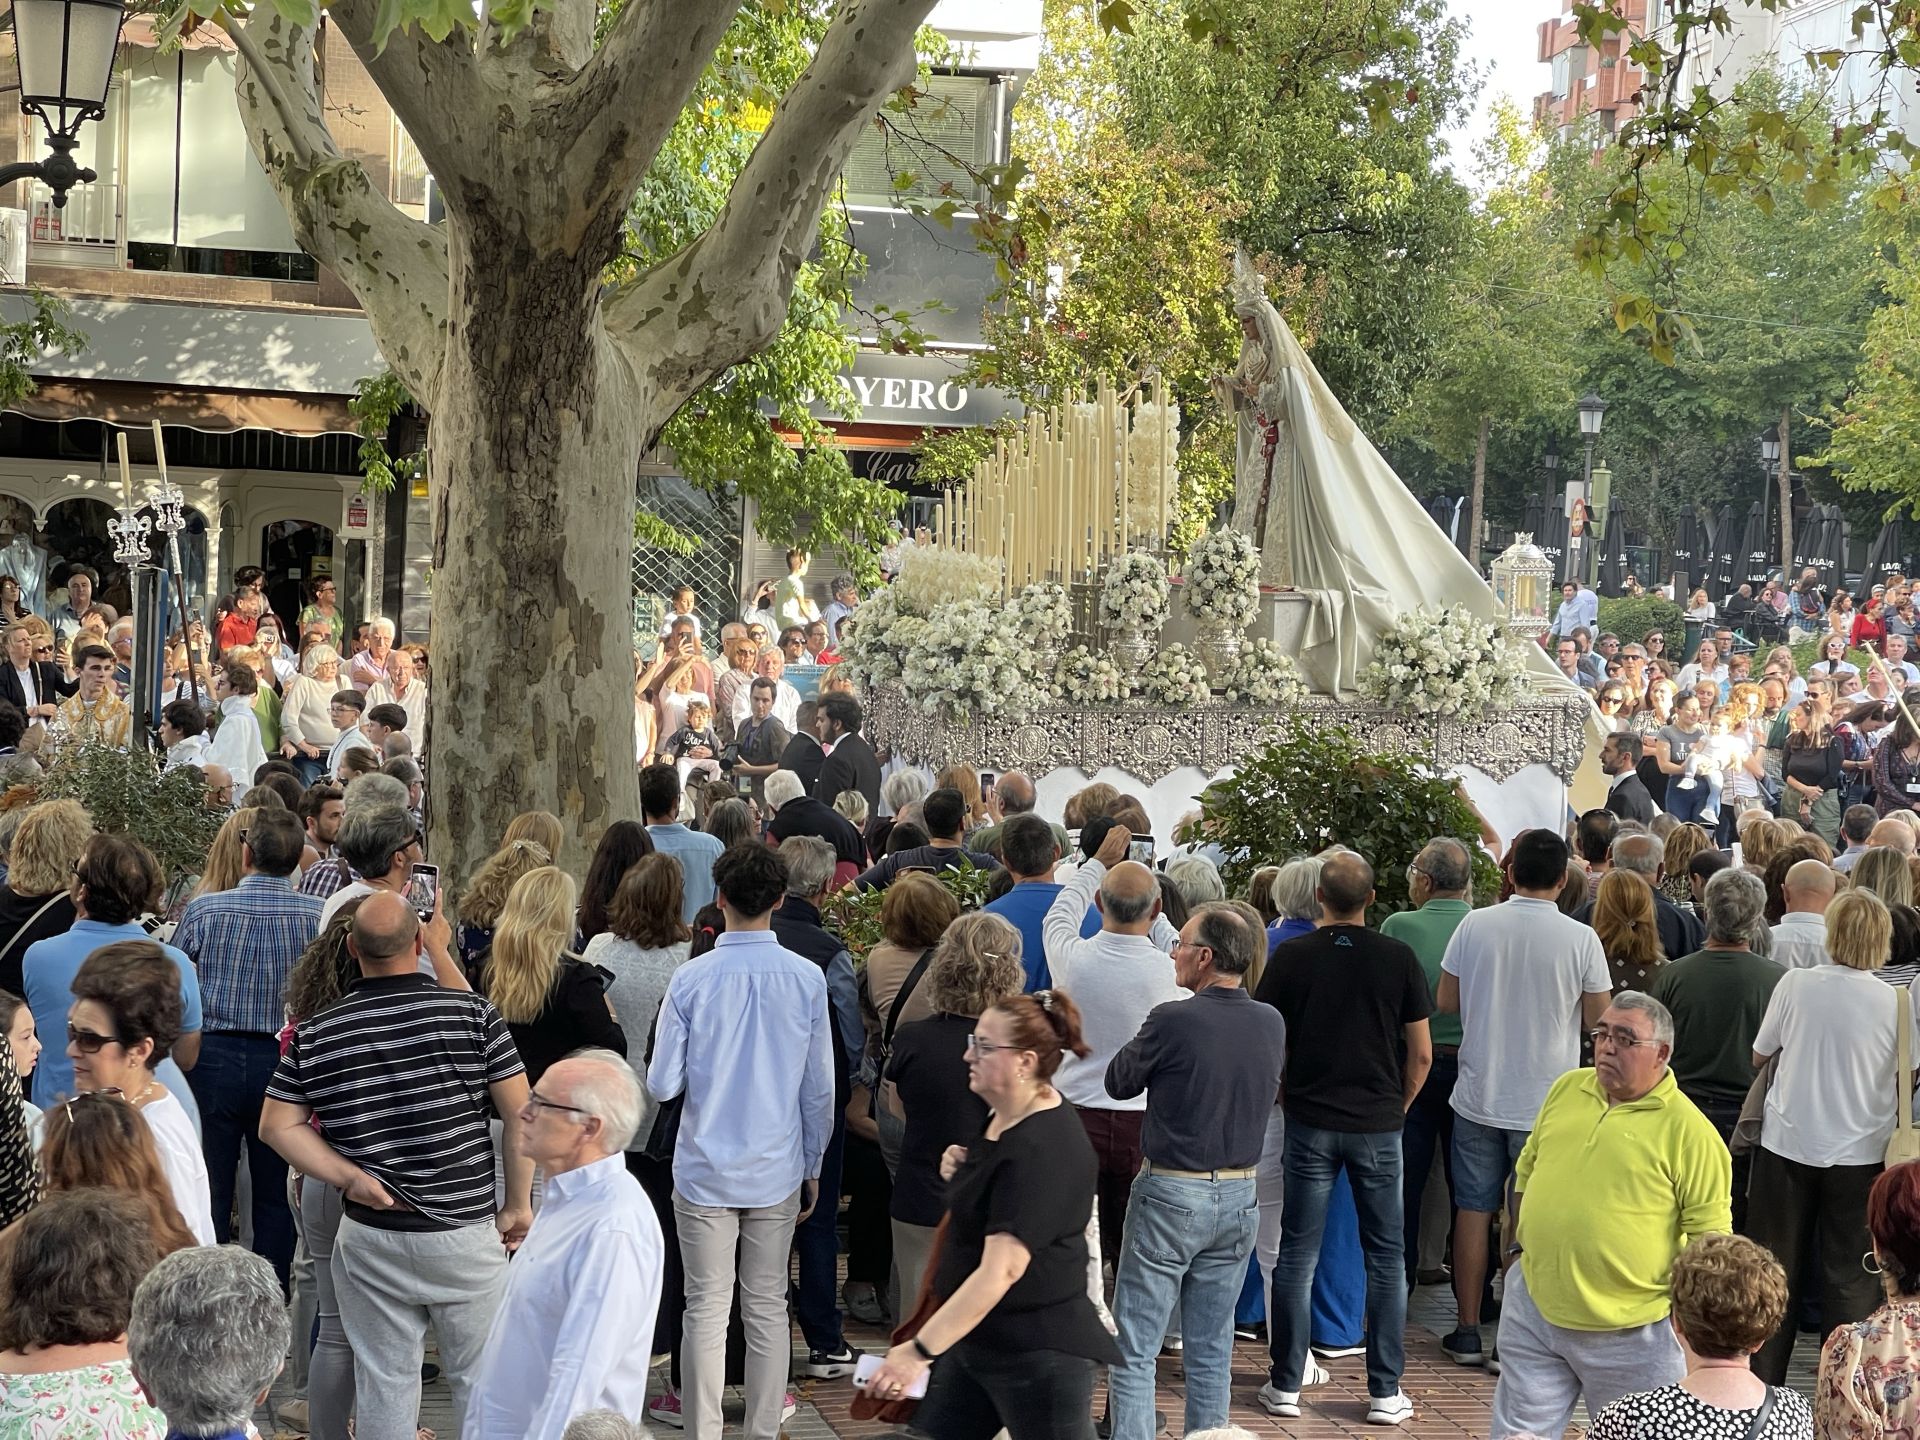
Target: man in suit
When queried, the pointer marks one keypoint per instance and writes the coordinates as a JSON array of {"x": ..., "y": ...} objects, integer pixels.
[
  {"x": 35, "y": 686},
  {"x": 1628, "y": 797},
  {"x": 851, "y": 764}
]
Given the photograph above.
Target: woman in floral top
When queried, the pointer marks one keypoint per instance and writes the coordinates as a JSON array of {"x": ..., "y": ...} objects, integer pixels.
[
  {"x": 1866, "y": 1388},
  {"x": 67, "y": 1276}
]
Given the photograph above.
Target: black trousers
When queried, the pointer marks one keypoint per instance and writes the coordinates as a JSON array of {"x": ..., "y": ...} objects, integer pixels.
[
  {"x": 1033, "y": 1395},
  {"x": 1725, "y": 1114},
  {"x": 1814, "y": 1220},
  {"x": 869, "y": 1191}
]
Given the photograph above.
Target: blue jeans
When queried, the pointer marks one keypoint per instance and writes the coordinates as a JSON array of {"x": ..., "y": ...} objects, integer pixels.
[
  {"x": 817, "y": 1239},
  {"x": 229, "y": 1083},
  {"x": 1186, "y": 1240},
  {"x": 1702, "y": 802},
  {"x": 1429, "y": 1126},
  {"x": 1372, "y": 1163}
]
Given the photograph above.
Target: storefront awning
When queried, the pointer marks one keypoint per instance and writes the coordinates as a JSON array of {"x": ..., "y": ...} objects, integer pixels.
[
  {"x": 171, "y": 345},
  {"x": 215, "y": 411}
]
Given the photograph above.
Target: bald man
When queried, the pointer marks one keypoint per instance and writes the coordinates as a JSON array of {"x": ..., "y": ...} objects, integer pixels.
[
  {"x": 1116, "y": 977},
  {"x": 1800, "y": 939},
  {"x": 1012, "y": 794},
  {"x": 1894, "y": 833}
]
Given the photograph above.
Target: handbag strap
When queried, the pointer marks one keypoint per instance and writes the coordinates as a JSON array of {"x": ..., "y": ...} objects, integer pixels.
[
  {"x": 1762, "y": 1415},
  {"x": 7, "y": 949},
  {"x": 1903, "y": 1100},
  {"x": 900, "y": 999}
]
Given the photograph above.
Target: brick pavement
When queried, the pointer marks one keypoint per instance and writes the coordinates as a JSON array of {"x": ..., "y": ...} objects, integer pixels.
[{"x": 1450, "y": 1402}]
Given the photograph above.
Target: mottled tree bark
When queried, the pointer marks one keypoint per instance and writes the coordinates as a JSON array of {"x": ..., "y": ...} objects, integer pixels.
[{"x": 544, "y": 388}]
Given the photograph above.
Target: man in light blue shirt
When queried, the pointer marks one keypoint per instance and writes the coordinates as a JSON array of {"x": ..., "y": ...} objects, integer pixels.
[
  {"x": 696, "y": 852},
  {"x": 744, "y": 1035},
  {"x": 116, "y": 882},
  {"x": 1578, "y": 606}
]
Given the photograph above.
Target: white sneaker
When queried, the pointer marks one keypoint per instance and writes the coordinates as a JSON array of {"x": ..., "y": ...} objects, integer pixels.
[
  {"x": 1390, "y": 1411},
  {"x": 1338, "y": 1352},
  {"x": 1286, "y": 1403}
]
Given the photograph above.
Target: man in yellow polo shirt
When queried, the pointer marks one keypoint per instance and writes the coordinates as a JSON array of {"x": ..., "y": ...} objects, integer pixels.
[{"x": 1621, "y": 1171}]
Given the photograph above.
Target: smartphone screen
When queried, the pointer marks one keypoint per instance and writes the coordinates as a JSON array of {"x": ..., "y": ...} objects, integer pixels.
[
  {"x": 987, "y": 778},
  {"x": 423, "y": 890},
  {"x": 1140, "y": 848}
]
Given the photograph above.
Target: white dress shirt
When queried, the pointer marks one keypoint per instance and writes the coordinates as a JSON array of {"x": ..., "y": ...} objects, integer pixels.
[
  {"x": 1800, "y": 941},
  {"x": 1114, "y": 979},
  {"x": 571, "y": 1333},
  {"x": 414, "y": 702},
  {"x": 236, "y": 744}
]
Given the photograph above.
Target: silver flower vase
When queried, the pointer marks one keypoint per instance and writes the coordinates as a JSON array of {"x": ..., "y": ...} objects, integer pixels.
[
  {"x": 1218, "y": 644},
  {"x": 1131, "y": 647}
]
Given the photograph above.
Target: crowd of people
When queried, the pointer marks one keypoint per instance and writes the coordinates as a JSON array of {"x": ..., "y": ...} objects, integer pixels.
[{"x": 599, "y": 1126}]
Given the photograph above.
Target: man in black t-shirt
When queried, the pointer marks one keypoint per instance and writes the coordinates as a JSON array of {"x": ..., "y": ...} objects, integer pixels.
[{"x": 1356, "y": 1006}]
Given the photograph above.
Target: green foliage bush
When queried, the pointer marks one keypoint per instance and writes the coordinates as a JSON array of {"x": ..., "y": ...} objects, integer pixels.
[
  {"x": 126, "y": 794},
  {"x": 1632, "y": 616},
  {"x": 1310, "y": 788}
]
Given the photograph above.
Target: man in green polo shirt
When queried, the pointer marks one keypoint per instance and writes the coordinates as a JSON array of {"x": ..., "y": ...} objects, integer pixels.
[
  {"x": 1620, "y": 1172},
  {"x": 1441, "y": 883}
]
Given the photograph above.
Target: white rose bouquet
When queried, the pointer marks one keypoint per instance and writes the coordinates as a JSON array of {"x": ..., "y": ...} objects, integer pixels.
[
  {"x": 1134, "y": 593},
  {"x": 972, "y": 660},
  {"x": 1044, "y": 614},
  {"x": 1223, "y": 578},
  {"x": 1264, "y": 676},
  {"x": 1176, "y": 677},
  {"x": 1443, "y": 662},
  {"x": 881, "y": 638},
  {"x": 1085, "y": 677},
  {"x": 933, "y": 575}
]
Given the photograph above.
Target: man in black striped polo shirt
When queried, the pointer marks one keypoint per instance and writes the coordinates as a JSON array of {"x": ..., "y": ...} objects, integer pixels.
[{"x": 403, "y": 1076}]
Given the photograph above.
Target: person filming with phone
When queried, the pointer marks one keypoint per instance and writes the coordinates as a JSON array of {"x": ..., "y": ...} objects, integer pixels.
[{"x": 381, "y": 846}]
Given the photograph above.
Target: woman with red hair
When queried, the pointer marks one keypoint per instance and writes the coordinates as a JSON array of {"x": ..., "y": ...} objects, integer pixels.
[{"x": 1869, "y": 1370}]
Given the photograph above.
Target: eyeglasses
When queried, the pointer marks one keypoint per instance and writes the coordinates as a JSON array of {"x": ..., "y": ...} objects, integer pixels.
[
  {"x": 985, "y": 1047},
  {"x": 87, "y": 1042},
  {"x": 535, "y": 1098},
  {"x": 1616, "y": 1037}
]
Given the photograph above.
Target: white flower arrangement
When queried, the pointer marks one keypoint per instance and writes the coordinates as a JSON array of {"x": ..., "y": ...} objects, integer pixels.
[
  {"x": 1265, "y": 676},
  {"x": 934, "y": 575},
  {"x": 1044, "y": 614},
  {"x": 1443, "y": 662},
  {"x": 1176, "y": 677},
  {"x": 971, "y": 659},
  {"x": 1134, "y": 593},
  {"x": 877, "y": 644},
  {"x": 1086, "y": 677},
  {"x": 1144, "y": 449},
  {"x": 1223, "y": 578}
]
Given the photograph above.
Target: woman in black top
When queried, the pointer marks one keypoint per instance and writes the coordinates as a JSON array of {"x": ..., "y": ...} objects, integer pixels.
[
  {"x": 1017, "y": 1336},
  {"x": 1895, "y": 770},
  {"x": 1812, "y": 772},
  {"x": 553, "y": 1001},
  {"x": 977, "y": 965}
]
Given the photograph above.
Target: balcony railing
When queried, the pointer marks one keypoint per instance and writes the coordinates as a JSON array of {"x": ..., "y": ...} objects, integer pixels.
[{"x": 87, "y": 232}]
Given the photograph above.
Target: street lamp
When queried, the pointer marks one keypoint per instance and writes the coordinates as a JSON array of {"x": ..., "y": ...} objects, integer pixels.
[
  {"x": 1592, "y": 407},
  {"x": 63, "y": 50},
  {"x": 1769, "y": 460}
]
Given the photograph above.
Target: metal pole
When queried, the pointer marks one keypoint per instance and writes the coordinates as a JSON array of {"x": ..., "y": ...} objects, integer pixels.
[{"x": 1587, "y": 547}]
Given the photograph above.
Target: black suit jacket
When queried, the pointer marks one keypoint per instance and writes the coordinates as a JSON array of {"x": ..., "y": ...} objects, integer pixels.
[
  {"x": 1630, "y": 800},
  {"x": 46, "y": 675},
  {"x": 850, "y": 766}
]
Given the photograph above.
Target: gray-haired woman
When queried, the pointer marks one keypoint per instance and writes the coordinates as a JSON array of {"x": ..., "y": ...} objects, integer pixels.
[
  {"x": 976, "y": 965},
  {"x": 307, "y": 731}
]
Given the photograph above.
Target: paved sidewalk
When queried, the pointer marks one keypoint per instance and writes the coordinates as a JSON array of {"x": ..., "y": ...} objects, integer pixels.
[{"x": 1451, "y": 1402}]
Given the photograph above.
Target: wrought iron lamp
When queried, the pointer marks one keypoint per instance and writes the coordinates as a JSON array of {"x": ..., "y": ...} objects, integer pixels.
[
  {"x": 63, "y": 52},
  {"x": 1523, "y": 587}
]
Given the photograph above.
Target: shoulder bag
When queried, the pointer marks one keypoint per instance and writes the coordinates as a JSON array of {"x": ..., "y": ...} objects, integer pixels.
[
  {"x": 1904, "y": 1143},
  {"x": 7, "y": 949},
  {"x": 884, "y": 1096},
  {"x": 1762, "y": 1415},
  {"x": 900, "y": 1411},
  {"x": 665, "y": 1129}
]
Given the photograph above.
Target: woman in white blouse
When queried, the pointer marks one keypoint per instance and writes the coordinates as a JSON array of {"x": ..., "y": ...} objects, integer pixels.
[
  {"x": 307, "y": 731},
  {"x": 1829, "y": 1114}
]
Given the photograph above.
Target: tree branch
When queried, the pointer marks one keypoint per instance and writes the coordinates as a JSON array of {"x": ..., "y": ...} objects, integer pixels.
[
  {"x": 394, "y": 264},
  {"x": 725, "y": 296},
  {"x": 432, "y": 85},
  {"x": 618, "y": 110}
]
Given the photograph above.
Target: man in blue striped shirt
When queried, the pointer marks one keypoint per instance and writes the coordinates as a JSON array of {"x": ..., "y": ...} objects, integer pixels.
[{"x": 244, "y": 942}]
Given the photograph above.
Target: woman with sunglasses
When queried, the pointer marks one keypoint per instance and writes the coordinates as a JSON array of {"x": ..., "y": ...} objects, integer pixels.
[
  {"x": 1654, "y": 715},
  {"x": 1015, "y": 1341},
  {"x": 1833, "y": 658},
  {"x": 1614, "y": 702},
  {"x": 125, "y": 1019}
]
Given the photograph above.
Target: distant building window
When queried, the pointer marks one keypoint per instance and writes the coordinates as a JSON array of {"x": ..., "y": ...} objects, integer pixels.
[
  {"x": 407, "y": 179},
  {"x": 956, "y": 119},
  {"x": 237, "y": 264}
]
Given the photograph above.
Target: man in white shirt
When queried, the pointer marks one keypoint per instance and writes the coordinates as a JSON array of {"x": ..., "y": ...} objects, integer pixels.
[
  {"x": 346, "y": 710},
  {"x": 583, "y": 1291},
  {"x": 1116, "y": 977},
  {"x": 1800, "y": 939},
  {"x": 404, "y": 688},
  {"x": 786, "y": 700},
  {"x": 236, "y": 744},
  {"x": 1896, "y": 657},
  {"x": 1525, "y": 981},
  {"x": 1856, "y": 824}
]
